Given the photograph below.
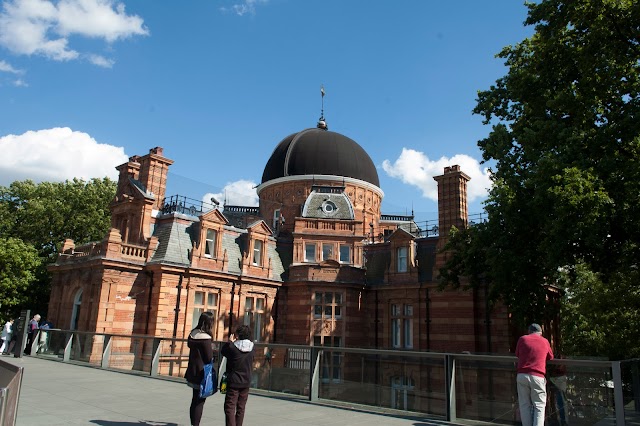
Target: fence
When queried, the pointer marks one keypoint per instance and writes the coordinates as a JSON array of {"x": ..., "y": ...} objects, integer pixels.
[
  {"x": 441, "y": 385},
  {"x": 10, "y": 383}
]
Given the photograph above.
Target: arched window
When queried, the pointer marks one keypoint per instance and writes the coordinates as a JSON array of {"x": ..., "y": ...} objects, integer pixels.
[{"x": 75, "y": 315}]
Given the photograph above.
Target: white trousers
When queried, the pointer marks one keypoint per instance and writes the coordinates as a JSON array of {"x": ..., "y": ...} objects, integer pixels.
[{"x": 532, "y": 398}]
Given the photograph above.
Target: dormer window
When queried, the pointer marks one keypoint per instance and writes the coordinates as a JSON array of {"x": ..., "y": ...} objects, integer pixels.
[
  {"x": 257, "y": 252},
  {"x": 276, "y": 219},
  {"x": 210, "y": 243},
  {"x": 401, "y": 259}
]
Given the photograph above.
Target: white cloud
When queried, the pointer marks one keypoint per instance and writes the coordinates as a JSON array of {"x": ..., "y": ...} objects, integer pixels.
[
  {"x": 247, "y": 7},
  {"x": 42, "y": 27},
  {"x": 238, "y": 193},
  {"x": 56, "y": 155},
  {"x": 101, "y": 61},
  {"x": 6, "y": 67},
  {"x": 415, "y": 168},
  {"x": 20, "y": 83}
]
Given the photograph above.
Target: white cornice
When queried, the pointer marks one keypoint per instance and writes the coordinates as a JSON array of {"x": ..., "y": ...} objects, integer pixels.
[{"x": 330, "y": 178}]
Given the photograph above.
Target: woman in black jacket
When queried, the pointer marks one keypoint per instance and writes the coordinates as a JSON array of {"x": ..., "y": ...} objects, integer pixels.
[
  {"x": 200, "y": 343},
  {"x": 239, "y": 353}
]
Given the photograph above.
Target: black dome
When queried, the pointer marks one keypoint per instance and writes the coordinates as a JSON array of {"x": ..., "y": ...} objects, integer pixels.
[{"x": 320, "y": 152}]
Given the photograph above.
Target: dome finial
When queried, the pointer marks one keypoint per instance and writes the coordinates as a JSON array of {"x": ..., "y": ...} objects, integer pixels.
[{"x": 321, "y": 123}]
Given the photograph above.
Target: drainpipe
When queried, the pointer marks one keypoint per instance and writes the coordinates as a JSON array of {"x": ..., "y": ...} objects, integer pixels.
[
  {"x": 175, "y": 321},
  {"x": 377, "y": 372},
  {"x": 428, "y": 318},
  {"x": 177, "y": 309},
  {"x": 488, "y": 331},
  {"x": 233, "y": 292},
  {"x": 488, "y": 315},
  {"x": 420, "y": 317},
  {"x": 146, "y": 326},
  {"x": 274, "y": 310}
]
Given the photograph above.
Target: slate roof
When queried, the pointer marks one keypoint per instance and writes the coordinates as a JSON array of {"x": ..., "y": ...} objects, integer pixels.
[
  {"x": 140, "y": 187},
  {"x": 316, "y": 206},
  {"x": 234, "y": 245},
  {"x": 174, "y": 243}
]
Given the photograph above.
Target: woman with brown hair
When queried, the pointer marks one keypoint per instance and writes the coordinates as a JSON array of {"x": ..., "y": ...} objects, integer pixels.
[{"x": 201, "y": 352}]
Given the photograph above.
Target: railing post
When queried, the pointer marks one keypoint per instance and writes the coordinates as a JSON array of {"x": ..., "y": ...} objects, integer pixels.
[
  {"x": 450, "y": 378},
  {"x": 106, "y": 351},
  {"x": 222, "y": 368},
  {"x": 635, "y": 384},
  {"x": 314, "y": 373},
  {"x": 35, "y": 343},
  {"x": 78, "y": 352},
  {"x": 155, "y": 359},
  {"x": 67, "y": 347},
  {"x": 617, "y": 392}
]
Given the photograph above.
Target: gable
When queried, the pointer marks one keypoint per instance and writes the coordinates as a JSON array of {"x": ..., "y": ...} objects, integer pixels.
[
  {"x": 214, "y": 216},
  {"x": 399, "y": 236},
  {"x": 259, "y": 227}
]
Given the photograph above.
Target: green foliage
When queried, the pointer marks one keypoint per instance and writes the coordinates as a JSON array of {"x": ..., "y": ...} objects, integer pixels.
[
  {"x": 18, "y": 265},
  {"x": 565, "y": 154},
  {"x": 41, "y": 216},
  {"x": 598, "y": 320}
]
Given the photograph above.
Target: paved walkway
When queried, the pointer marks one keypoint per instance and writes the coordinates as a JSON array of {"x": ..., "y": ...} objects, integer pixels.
[{"x": 54, "y": 393}]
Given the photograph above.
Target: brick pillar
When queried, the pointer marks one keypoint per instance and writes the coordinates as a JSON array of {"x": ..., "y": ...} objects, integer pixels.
[
  {"x": 452, "y": 205},
  {"x": 153, "y": 174}
]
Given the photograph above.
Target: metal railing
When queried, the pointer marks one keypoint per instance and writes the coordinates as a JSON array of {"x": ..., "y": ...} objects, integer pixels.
[
  {"x": 10, "y": 384},
  {"x": 185, "y": 205},
  {"x": 440, "y": 385}
]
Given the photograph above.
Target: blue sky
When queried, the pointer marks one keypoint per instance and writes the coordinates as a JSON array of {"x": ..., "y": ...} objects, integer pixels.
[{"x": 84, "y": 84}]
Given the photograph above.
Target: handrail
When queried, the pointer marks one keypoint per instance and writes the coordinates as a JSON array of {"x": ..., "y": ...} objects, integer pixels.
[{"x": 167, "y": 357}]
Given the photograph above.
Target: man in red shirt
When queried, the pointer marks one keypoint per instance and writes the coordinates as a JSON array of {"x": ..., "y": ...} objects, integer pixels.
[{"x": 533, "y": 352}]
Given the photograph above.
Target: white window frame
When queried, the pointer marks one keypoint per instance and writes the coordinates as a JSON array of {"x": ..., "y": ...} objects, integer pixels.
[
  {"x": 330, "y": 247},
  {"x": 402, "y": 326},
  {"x": 402, "y": 255},
  {"x": 254, "y": 312},
  {"x": 407, "y": 326},
  {"x": 205, "y": 301},
  {"x": 347, "y": 257},
  {"x": 211, "y": 243},
  {"x": 328, "y": 305},
  {"x": 276, "y": 219},
  {"x": 75, "y": 313},
  {"x": 258, "y": 249},
  {"x": 401, "y": 386},
  {"x": 331, "y": 363},
  {"x": 308, "y": 246}
]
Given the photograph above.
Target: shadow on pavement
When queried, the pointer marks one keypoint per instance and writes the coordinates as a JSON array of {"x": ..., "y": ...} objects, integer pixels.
[{"x": 142, "y": 423}]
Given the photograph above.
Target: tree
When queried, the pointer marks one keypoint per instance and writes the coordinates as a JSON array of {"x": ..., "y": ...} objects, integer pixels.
[
  {"x": 42, "y": 216},
  {"x": 565, "y": 144},
  {"x": 18, "y": 263}
]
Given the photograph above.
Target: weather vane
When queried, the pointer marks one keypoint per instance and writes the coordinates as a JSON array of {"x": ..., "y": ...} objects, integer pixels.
[{"x": 322, "y": 124}]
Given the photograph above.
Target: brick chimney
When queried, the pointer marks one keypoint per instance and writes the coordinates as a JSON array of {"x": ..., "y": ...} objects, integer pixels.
[
  {"x": 130, "y": 169},
  {"x": 452, "y": 205},
  {"x": 153, "y": 174}
]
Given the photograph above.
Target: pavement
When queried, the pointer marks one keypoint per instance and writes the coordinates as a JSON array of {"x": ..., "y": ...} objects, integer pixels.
[{"x": 56, "y": 393}]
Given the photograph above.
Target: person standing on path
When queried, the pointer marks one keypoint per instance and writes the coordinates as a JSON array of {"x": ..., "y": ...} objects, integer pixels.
[
  {"x": 31, "y": 333},
  {"x": 239, "y": 353},
  {"x": 533, "y": 352},
  {"x": 7, "y": 331},
  {"x": 201, "y": 352}
]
